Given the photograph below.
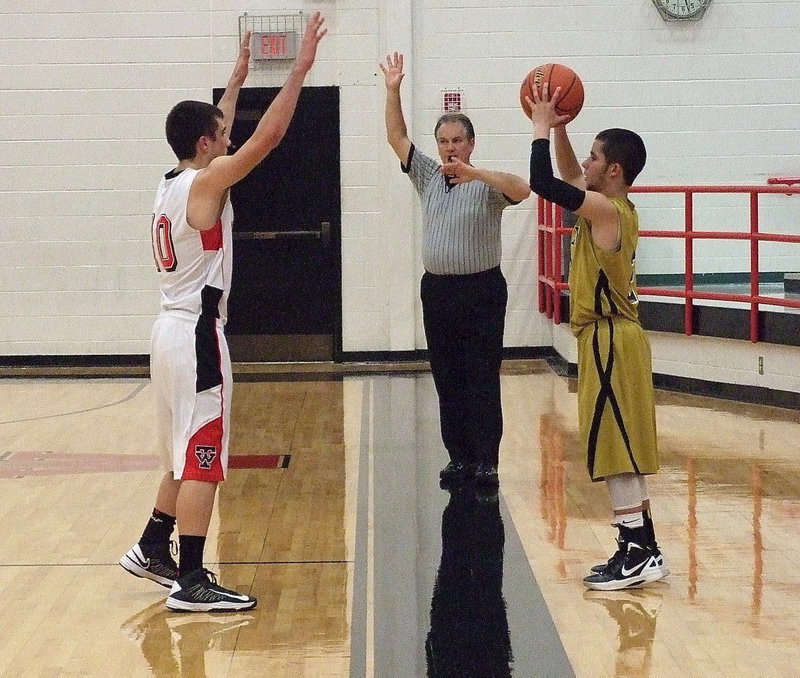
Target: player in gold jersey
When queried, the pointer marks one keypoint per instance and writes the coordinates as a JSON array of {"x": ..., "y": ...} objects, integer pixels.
[{"x": 616, "y": 402}]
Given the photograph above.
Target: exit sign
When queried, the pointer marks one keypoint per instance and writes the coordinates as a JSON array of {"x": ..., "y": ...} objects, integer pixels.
[{"x": 275, "y": 45}]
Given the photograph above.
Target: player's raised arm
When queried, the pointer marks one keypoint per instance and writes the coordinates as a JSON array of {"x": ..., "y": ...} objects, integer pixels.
[
  {"x": 225, "y": 171},
  {"x": 569, "y": 168},
  {"x": 574, "y": 195},
  {"x": 227, "y": 103}
]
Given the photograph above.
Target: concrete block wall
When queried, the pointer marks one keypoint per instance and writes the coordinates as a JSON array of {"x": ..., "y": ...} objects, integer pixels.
[{"x": 85, "y": 89}]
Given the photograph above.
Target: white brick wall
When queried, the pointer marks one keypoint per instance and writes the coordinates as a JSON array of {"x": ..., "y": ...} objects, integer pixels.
[{"x": 84, "y": 91}]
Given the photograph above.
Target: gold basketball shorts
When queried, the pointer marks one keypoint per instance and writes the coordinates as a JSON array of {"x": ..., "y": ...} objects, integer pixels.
[{"x": 616, "y": 400}]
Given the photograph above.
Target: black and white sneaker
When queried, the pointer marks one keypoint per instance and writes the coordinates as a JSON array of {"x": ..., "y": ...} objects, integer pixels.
[
  {"x": 660, "y": 561},
  {"x": 639, "y": 566},
  {"x": 619, "y": 554},
  {"x": 612, "y": 561},
  {"x": 151, "y": 562},
  {"x": 198, "y": 591}
]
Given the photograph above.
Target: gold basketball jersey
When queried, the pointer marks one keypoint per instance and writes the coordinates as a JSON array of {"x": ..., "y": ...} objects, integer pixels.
[{"x": 602, "y": 283}]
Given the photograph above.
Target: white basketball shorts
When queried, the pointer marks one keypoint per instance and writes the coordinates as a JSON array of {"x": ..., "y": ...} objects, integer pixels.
[{"x": 190, "y": 370}]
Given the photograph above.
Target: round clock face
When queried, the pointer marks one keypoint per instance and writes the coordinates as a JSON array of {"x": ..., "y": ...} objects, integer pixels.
[{"x": 682, "y": 9}]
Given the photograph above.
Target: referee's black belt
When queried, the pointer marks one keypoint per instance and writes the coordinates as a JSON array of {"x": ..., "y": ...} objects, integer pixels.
[{"x": 480, "y": 274}]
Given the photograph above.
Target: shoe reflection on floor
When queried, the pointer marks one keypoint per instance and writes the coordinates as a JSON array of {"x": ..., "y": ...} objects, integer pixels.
[
  {"x": 469, "y": 636},
  {"x": 635, "y": 611},
  {"x": 175, "y": 644}
]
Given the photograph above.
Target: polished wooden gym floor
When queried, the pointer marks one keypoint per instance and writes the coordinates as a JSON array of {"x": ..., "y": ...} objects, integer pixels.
[{"x": 363, "y": 567}]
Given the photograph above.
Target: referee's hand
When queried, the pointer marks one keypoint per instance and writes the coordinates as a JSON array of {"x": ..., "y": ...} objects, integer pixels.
[{"x": 458, "y": 172}]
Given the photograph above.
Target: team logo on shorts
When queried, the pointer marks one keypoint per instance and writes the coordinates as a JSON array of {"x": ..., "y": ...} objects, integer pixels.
[{"x": 205, "y": 455}]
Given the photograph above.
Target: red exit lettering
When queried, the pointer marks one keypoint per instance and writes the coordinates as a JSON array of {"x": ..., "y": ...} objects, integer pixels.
[{"x": 273, "y": 45}]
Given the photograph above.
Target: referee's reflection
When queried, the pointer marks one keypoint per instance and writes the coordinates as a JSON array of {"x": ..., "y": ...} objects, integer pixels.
[{"x": 469, "y": 629}]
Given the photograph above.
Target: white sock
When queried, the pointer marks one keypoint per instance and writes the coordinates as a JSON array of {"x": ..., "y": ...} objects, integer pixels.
[{"x": 630, "y": 520}]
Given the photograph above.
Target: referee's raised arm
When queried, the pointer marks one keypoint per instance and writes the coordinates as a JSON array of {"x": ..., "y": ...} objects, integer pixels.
[{"x": 396, "y": 132}]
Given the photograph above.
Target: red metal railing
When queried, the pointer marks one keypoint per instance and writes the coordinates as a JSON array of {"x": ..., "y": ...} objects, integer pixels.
[{"x": 550, "y": 251}]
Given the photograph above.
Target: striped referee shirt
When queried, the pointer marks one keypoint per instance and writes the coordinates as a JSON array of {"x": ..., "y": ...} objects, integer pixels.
[{"x": 461, "y": 231}]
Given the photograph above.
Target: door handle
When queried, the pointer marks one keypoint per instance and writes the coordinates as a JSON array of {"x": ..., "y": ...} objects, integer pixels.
[{"x": 323, "y": 234}]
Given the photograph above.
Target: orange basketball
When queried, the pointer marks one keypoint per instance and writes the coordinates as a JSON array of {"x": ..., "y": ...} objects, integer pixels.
[{"x": 557, "y": 75}]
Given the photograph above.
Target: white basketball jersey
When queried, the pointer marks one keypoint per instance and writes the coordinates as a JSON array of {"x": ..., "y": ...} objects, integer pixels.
[{"x": 190, "y": 261}]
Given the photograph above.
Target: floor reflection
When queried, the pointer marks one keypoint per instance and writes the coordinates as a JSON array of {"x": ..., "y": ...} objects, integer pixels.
[
  {"x": 365, "y": 568},
  {"x": 469, "y": 634},
  {"x": 635, "y": 612},
  {"x": 176, "y": 644}
]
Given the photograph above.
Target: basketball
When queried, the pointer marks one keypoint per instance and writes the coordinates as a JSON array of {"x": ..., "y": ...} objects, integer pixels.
[{"x": 557, "y": 75}]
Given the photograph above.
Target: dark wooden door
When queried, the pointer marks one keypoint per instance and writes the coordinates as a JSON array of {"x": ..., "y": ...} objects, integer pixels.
[{"x": 285, "y": 301}]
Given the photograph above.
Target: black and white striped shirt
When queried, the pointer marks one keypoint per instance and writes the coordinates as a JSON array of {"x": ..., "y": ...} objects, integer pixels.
[{"x": 462, "y": 222}]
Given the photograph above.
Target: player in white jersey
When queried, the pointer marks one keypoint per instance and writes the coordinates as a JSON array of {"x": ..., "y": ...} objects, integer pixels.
[
  {"x": 189, "y": 361},
  {"x": 188, "y": 350}
]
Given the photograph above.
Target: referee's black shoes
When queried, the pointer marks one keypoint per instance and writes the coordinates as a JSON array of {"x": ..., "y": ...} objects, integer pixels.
[
  {"x": 486, "y": 475},
  {"x": 456, "y": 472}
]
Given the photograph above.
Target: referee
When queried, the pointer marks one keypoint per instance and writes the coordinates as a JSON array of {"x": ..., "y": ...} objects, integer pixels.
[{"x": 463, "y": 291}]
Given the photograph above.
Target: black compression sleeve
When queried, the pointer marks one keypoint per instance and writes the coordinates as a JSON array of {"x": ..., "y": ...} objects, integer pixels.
[{"x": 545, "y": 184}]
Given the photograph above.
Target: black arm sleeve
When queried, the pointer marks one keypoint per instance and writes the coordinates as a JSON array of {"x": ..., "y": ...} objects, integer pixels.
[{"x": 545, "y": 184}]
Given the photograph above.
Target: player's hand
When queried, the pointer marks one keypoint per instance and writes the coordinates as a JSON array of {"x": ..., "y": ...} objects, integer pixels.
[
  {"x": 393, "y": 71},
  {"x": 308, "y": 46},
  {"x": 242, "y": 66},
  {"x": 543, "y": 108},
  {"x": 458, "y": 172}
]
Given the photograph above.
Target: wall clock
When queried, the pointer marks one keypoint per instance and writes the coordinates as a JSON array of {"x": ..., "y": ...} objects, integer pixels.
[{"x": 681, "y": 10}]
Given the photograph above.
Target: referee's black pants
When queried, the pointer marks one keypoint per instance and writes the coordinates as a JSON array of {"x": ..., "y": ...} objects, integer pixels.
[{"x": 464, "y": 318}]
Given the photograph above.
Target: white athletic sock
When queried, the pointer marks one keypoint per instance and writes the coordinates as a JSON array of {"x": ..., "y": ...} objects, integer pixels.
[{"x": 630, "y": 520}]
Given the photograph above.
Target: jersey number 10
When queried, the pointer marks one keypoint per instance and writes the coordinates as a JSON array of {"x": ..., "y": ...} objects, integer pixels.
[{"x": 163, "y": 249}]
